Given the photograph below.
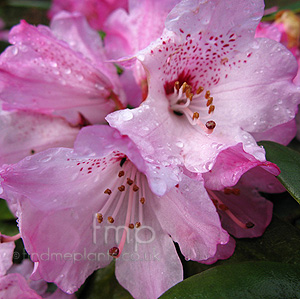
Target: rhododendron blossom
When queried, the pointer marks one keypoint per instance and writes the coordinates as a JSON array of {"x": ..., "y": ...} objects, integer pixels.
[
  {"x": 96, "y": 11},
  {"x": 100, "y": 185},
  {"x": 61, "y": 70},
  {"x": 211, "y": 86}
]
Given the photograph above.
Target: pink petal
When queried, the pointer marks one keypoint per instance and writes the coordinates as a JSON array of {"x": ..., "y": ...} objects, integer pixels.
[
  {"x": 223, "y": 252},
  {"x": 24, "y": 133},
  {"x": 253, "y": 212},
  {"x": 268, "y": 30},
  {"x": 283, "y": 133},
  {"x": 101, "y": 140},
  {"x": 230, "y": 165},
  {"x": 25, "y": 269},
  {"x": 149, "y": 264},
  {"x": 15, "y": 286},
  {"x": 95, "y": 11},
  {"x": 6, "y": 256},
  {"x": 190, "y": 218},
  {"x": 260, "y": 179},
  {"x": 41, "y": 70}
]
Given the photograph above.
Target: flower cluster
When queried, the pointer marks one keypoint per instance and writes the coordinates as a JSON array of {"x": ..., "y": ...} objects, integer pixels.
[{"x": 180, "y": 164}]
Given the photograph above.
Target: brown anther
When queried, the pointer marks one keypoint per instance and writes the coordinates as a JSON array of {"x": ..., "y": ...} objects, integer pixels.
[
  {"x": 121, "y": 173},
  {"x": 114, "y": 252},
  {"x": 196, "y": 115},
  {"x": 249, "y": 224},
  {"x": 110, "y": 219},
  {"x": 177, "y": 85},
  {"x": 191, "y": 96},
  {"x": 142, "y": 200},
  {"x": 224, "y": 60},
  {"x": 99, "y": 217},
  {"x": 184, "y": 87},
  {"x": 236, "y": 191},
  {"x": 209, "y": 101},
  {"x": 121, "y": 188},
  {"x": 135, "y": 188},
  {"x": 211, "y": 109},
  {"x": 223, "y": 207},
  {"x": 199, "y": 90},
  {"x": 207, "y": 95},
  {"x": 138, "y": 224},
  {"x": 129, "y": 181},
  {"x": 227, "y": 191},
  {"x": 131, "y": 226},
  {"x": 107, "y": 191},
  {"x": 210, "y": 124}
]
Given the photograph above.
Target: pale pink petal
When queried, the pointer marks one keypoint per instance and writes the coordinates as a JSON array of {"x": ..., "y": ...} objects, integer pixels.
[
  {"x": 223, "y": 252},
  {"x": 260, "y": 179},
  {"x": 230, "y": 165},
  {"x": 96, "y": 11},
  {"x": 149, "y": 264},
  {"x": 191, "y": 220},
  {"x": 25, "y": 269},
  {"x": 101, "y": 140},
  {"x": 283, "y": 133},
  {"x": 24, "y": 133},
  {"x": 15, "y": 286},
  {"x": 268, "y": 30},
  {"x": 52, "y": 199},
  {"x": 40, "y": 70},
  {"x": 244, "y": 214},
  {"x": 6, "y": 256}
]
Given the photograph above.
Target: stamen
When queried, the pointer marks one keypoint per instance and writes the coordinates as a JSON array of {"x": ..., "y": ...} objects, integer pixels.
[
  {"x": 207, "y": 95},
  {"x": 196, "y": 115},
  {"x": 221, "y": 206},
  {"x": 199, "y": 90},
  {"x": 184, "y": 87},
  {"x": 107, "y": 191},
  {"x": 142, "y": 200},
  {"x": 210, "y": 124},
  {"x": 99, "y": 217},
  {"x": 129, "y": 181},
  {"x": 138, "y": 224},
  {"x": 110, "y": 219},
  {"x": 121, "y": 173},
  {"x": 211, "y": 109},
  {"x": 114, "y": 251},
  {"x": 177, "y": 85},
  {"x": 121, "y": 188},
  {"x": 131, "y": 226},
  {"x": 135, "y": 188},
  {"x": 209, "y": 101}
]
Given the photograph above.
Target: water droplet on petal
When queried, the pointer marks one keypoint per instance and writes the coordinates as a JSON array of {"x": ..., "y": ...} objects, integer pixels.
[{"x": 127, "y": 115}]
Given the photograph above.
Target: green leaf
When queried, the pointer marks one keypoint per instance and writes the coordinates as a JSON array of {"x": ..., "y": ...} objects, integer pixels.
[
  {"x": 244, "y": 280},
  {"x": 281, "y": 5},
  {"x": 41, "y": 4},
  {"x": 5, "y": 213},
  {"x": 288, "y": 161}
]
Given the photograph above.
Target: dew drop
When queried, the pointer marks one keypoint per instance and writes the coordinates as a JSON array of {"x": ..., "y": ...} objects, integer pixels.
[
  {"x": 127, "y": 115},
  {"x": 14, "y": 51},
  {"x": 53, "y": 63},
  {"x": 46, "y": 159},
  {"x": 179, "y": 144},
  {"x": 79, "y": 77}
]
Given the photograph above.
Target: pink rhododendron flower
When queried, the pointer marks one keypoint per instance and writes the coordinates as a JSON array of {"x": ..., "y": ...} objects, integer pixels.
[
  {"x": 59, "y": 70},
  {"x": 211, "y": 86},
  {"x": 96, "y": 11},
  {"x": 7, "y": 247},
  {"x": 102, "y": 197}
]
